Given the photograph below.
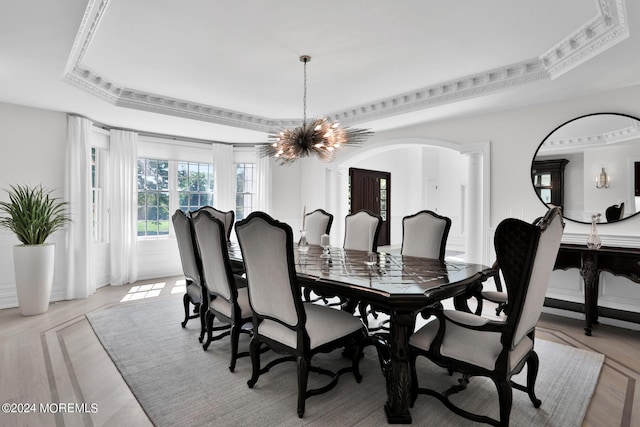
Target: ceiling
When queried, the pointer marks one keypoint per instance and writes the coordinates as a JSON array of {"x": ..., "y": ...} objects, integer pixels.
[{"x": 230, "y": 71}]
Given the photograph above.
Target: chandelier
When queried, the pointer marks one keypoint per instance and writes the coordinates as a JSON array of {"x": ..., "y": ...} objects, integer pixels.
[{"x": 320, "y": 137}]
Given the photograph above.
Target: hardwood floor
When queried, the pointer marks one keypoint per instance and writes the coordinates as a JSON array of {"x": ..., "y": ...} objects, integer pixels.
[{"x": 54, "y": 363}]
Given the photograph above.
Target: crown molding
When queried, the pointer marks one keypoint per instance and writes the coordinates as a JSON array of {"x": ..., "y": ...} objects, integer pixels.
[
  {"x": 581, "y": 142},
  {"x": 608, "y": 28},
  {"x": 604, "y": 31}
]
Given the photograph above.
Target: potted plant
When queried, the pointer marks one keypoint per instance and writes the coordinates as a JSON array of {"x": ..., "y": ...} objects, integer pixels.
[{"x": 32, "y": 214}]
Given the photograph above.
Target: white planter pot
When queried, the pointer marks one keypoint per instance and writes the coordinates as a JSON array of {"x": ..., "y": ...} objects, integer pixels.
[{"x": 33, "y": 265}]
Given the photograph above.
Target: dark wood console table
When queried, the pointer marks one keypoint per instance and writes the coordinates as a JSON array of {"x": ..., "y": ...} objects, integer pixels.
[{"x": 618, "y": 261}]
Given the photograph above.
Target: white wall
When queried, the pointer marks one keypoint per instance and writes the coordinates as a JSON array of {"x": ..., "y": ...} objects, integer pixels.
[{"x": 33, "y": 145}]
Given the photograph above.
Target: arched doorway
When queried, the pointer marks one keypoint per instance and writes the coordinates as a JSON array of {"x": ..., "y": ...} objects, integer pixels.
[{"x": 475, "y": 215}]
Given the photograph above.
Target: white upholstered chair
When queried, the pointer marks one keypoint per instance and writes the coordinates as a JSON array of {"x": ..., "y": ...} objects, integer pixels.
[
  {"x": 191, "y": 266},
  {"x": 317, "y": 223},
  {"x": 227, "y": 218},
  {"x": 498, "y": 349},
  {"x": 280, "y": 319},
  {"x": 361, "y": 230},
  {"x": 223, "y": 297},
  {"x": 424, "y": 234}
]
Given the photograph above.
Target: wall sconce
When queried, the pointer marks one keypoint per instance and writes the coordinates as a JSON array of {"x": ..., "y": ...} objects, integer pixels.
[{"x": 603, "y": 180}]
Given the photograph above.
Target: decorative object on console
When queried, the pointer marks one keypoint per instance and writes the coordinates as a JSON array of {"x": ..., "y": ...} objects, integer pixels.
[
  {"x": 32, "y": 214},
  {"x": 320, "y": 137},
  {"x": 593, "y": 241},
  {"x": 603, "y": 180}
]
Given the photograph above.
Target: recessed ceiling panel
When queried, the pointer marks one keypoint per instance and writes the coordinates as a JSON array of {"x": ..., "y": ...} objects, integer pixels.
[{"x": 243, "y": 55}]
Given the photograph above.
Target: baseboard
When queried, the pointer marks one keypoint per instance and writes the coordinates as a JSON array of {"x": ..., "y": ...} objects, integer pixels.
[{"x": 608, "y": 316}]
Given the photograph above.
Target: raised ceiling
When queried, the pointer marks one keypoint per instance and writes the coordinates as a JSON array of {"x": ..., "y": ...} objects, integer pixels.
[{"x": 230, "y": 71}]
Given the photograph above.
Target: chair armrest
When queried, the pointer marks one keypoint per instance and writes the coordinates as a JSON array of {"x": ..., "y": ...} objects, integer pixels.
[{"x": 472, "y": 321}]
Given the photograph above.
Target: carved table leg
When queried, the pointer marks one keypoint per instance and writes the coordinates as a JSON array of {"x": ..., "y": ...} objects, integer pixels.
[
  {"x": 590, "y": 275},
  {"x": 397, "y": 373}
]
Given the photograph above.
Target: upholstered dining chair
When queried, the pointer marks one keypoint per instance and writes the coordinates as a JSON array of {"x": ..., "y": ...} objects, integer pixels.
[
  {"x": 498, "y": 349},
  {"x": 361, "y": 231},
  {"x": 224, "y": 299},
  {"x": 191, "y": 266},
  {"x": 281, "y": 320},
  {"x": 227, "y": 218},
  {"x": 317, "y": 223},
  {"x": 424, "y": 234}
]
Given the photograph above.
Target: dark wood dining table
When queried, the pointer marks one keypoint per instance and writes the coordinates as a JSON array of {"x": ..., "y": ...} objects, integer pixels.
[{"x": 400, "y": 286}]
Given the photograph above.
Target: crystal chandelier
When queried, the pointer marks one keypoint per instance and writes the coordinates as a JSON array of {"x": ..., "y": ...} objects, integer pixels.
[{"x": 320, "y": 137}]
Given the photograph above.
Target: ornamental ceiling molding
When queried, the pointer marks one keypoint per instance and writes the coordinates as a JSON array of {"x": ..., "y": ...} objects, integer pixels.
[
  {"x": 579, "y": 143},
  {"x": 608, "y": 28}
]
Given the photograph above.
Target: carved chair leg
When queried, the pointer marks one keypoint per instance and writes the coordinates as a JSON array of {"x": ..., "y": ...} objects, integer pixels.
[
  {"x": 505, "y": 397},
  {"x": 533, "y": 363},
  {"x": 235, "y": 337},
  {"x": 209, "y": 322},
  {"x": 185, "y": 302},
  {"x": 254, "y": 351},
  {"x": 203, "y": 327},
  {"x": 303, "y": 376},
  {"x": 355, "y": 363}
]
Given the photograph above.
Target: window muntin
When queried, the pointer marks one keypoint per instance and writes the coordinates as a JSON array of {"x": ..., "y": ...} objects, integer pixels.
[{"x": 245, "y": 189}]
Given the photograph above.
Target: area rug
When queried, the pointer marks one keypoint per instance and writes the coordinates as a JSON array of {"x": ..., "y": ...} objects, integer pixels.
[{"x": 177, "y": 383}]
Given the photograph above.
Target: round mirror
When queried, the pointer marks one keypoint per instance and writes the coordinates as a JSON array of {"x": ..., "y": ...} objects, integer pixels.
[{"x": 591, "y": 165}]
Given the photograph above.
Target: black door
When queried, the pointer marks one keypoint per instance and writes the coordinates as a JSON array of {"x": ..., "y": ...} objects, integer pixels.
[{"x": 372, "y": 190}]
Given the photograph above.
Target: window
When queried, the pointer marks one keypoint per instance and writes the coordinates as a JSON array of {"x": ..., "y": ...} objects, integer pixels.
[
  {"x": 195, "y": 185},
  {"x": 164, "y": 186},
  {"x": 245, "y": 189},
  {"x": 153, "y": 197}
]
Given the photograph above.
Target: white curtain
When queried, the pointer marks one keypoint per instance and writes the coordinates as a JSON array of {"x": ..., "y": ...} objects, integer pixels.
[
  {"x": 81, "y": 281},
  {"x": 263, "y": 182},
  {"x": 124, "y": 193},
  {"x": 225, "y": 177}
]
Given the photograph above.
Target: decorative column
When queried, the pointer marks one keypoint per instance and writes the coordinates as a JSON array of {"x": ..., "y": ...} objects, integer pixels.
[
  {"x": 338, "y": 194},
  {"x": 474, "y": 209}
]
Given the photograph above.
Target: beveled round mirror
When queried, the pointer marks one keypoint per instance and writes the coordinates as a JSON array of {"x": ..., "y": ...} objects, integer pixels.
[{"x": 591, "y": 165}]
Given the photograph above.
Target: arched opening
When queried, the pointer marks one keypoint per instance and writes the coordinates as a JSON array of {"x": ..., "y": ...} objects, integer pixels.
[{"x": 451, "y": 179}]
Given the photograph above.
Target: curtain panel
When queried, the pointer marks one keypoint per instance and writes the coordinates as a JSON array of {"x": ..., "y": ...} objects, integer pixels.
[
  {"x": 263, "y": 182},
  {"x": 81, "y": 281},
  {"x": 124, "y": 206},
  {"x": 225, "y": 177}
]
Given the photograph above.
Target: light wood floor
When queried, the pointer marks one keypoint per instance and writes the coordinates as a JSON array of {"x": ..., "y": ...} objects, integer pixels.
[{"x": 55, "y": 358}]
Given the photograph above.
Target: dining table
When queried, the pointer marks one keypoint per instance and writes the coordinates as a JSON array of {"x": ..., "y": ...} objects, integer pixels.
[{"x": 400, "y": 286}]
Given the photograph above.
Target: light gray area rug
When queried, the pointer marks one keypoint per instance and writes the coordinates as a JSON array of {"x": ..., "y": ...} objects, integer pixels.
[{"x": 177, "y": 383}]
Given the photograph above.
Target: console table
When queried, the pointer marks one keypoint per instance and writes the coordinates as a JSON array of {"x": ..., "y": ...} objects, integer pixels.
[{"x": 618, "y": 261}]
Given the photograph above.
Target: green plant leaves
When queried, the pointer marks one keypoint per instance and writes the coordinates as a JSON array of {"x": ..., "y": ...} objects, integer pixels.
[{"x": 33, "y": 214}]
